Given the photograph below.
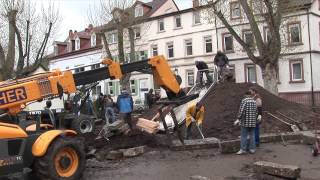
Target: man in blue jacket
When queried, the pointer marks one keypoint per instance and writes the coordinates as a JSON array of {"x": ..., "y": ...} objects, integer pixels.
[{"x": 125, "y": 106}]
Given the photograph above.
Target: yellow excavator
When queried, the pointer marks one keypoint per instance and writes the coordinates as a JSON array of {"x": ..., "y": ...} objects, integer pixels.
[{"x": 54, "y": 153}]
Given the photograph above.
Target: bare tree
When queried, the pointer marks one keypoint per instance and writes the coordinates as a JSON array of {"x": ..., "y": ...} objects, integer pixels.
[
  {"x": 257, "y": 14},
  {"x": 118, "y": 16},
  {"x": 27, "y": 43}
]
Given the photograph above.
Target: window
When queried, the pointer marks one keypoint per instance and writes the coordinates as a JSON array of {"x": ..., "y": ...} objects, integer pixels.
[
  {"x": 141, "y": 55},
  {"x": 137, "y": 33},
  {"x": 95, "y": 66},
  {"x": 96, "y": 90},
  {"x": 93, "y": 40},
  {"x": 208, "y": 44},
  {"x": 248, "y": 38},
  {"x": 77, "y": 44},
  {"x": 227, "y": 41},
  {"x": 196, "y": 18},
  {"x": 296, "y": 71},
  {"x": 235, "y": 11},
  {"x": 170, "y": 52},
  {"x": 177, "y": 21},
  {"x": 138, "y": 11},
  {"x": 111, "y": 88},
  {"x": 188, "y": 47},
  {"x": 250, "y": 70},
  {"x": 161, "y": 25},
  {"x": 294, "y": 30},
  {"x": 133, "y": 87},
  {"x": 267, "y": 35},
  {"x": 154, "y": 50},
  {"x": 112, "y": 38},
  {"x": 77, "y": 70},
  {"x": 190, "y": 77},
  {"x": 232, "y": 69}
]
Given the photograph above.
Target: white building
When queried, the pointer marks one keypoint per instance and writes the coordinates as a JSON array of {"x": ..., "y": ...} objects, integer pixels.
[{"x": 184, "y": 36}]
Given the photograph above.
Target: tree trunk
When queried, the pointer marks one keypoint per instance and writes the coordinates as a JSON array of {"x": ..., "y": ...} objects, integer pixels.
[
  {"x": 106, "y": 45},
  {"x": 270, "y": 78},
  {"x": 9, "y": 65},
  {"x": 132, "y": 46}
]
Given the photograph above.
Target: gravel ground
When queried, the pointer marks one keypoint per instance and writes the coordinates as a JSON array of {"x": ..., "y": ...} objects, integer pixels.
[{"x": 172, "y": 165}]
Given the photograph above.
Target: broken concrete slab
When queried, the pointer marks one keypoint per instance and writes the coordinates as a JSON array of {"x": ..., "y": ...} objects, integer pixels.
[
  {"x": 276, "y": 137},
  {"x": 308, "y": 137},
  {"x": 275, "y": 169},
  {"x": 132, "y": 152},
  {"x": 197, "y": 177},
  {"x": 116, "y": 125},
  {"x": 195, "y": 144},
  {"x": 114, "y": 155},
  {"x": 231, "y": 146}
]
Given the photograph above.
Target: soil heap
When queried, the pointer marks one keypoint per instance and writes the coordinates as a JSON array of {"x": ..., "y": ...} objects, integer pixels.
[{"x": 222, "y": 106}]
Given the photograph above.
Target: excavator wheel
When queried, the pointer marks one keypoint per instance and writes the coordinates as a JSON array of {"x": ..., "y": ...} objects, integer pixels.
[
  {"x": 64, "y": 160},
  {"x": 83, "y": 124}
]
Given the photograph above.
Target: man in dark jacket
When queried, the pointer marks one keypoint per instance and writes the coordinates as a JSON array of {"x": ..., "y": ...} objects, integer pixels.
[
  {"x": 221, "y": 61},
  {"x": 150, "y": 98},
  {"x": 203, "y": 68},
  {"x": 247, "y": 118},
  {"x": 125, "y": 106}
]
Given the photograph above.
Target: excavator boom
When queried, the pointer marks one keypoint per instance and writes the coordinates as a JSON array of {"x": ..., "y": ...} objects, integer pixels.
[{"x": 15, "y": 94}]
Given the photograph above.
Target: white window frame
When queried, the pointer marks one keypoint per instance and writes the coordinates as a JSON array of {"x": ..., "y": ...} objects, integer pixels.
[
  {"x": 153, "y": 47},
  {"x": 232, "y": 8},
  {"x": 247, "y": 66},
  {"x": 175, "y": 22},
  {"x": 292, "y": 72},
  {"x": 224, "y": 42},
  {"x": 187, "y": 45},
  {"x": 188, "y": 75},
  {"x": 295, "y": 24},
  {"x": 159, "y": 25},
  {"x": 77, "y": 44},
  {"x": 138, "y": 11},
  {"x": 266, "y": 33},
  {"x": 205, "y": 38},
  {"x": 93, "y": 40},
  {"x": 246, "y": 32},
  {"x": 195, "y": 15},
  {"x": 133, "y": 86},
  {"x": 112, "y": 38},
  {"x": 167, "y": 46},
  {"x": 111, "y": 87}
]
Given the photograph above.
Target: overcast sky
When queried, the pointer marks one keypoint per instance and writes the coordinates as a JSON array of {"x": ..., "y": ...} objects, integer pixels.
[{"x": 74, "y": 13}]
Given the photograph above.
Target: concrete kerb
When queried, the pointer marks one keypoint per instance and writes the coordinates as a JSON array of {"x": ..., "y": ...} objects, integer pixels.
[{"x": 232, "y": 146}]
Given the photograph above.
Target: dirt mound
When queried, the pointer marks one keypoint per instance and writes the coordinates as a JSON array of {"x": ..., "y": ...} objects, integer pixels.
[{"x": 222, "y": 105}]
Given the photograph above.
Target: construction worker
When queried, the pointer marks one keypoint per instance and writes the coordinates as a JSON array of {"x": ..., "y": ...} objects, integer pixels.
[
  {"x": 257, "y": 98},
  {"x": 194, "y": 115},
  {"x": 125, "y": 106},
  {"x": 203, "y": 68},
  {"x": 247, "y": 119},
  {"x": 222, "y": 61}
]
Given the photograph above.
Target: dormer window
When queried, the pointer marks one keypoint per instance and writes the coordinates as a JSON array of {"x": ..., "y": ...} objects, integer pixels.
[
  {"x": 77, "y": 44},
  {"x": 138, "y": 11},
  {"x": 93, "y": 40}
]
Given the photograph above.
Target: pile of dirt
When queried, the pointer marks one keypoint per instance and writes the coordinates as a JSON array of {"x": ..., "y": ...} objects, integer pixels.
[{"x": 222, "y": 105}]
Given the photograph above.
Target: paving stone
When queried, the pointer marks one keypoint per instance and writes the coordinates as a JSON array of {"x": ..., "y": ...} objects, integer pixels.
[
  {"x": 275, "y": 169},
  {"x": 114, "y": 155},
  {"x": 231, "y": 146},
  {"x": 195, "y": 144},
  {"x": 197, "y": 177},
  {"x": 132, "y": 152}
]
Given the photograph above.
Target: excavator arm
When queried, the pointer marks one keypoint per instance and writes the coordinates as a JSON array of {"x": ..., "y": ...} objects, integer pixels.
[{"x": 15, "y": 94}]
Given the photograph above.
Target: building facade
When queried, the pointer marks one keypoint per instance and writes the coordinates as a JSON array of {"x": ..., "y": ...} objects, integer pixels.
[{"x": 184, "y": 36}]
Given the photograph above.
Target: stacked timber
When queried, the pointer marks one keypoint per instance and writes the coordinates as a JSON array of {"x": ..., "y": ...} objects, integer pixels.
[{"x": 148, "y": 126}]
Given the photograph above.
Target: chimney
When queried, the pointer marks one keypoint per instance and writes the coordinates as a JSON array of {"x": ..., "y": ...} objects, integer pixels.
[
  {"x": 90, "y": 27},
  {"x": 70, "y": 33},
  {"x": 195, "y": 3}
]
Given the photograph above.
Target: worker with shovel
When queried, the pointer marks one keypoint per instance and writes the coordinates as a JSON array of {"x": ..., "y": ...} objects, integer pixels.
[{"x": 194, "y": 115}]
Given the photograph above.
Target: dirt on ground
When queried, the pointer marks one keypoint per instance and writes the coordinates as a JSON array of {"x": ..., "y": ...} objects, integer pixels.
[{"x": 222, "y": 104}]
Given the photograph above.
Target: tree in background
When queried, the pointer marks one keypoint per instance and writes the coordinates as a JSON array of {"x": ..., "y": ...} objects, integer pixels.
[
  {"x": 24, "y": 35},
  {"x": 117, "y": 15},
  {"x": 270, "y": 14}
]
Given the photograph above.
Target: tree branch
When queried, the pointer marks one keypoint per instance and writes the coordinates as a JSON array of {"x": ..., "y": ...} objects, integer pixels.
[
  {"x": 2, "y": 57},
  {"x": 253, "y": 25},
  {"x": 236, "y": 36},
  {"x": 132, "y": 47},
  {"x": 106, "y": 45},
  {"x": 20, "y": 49}
]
